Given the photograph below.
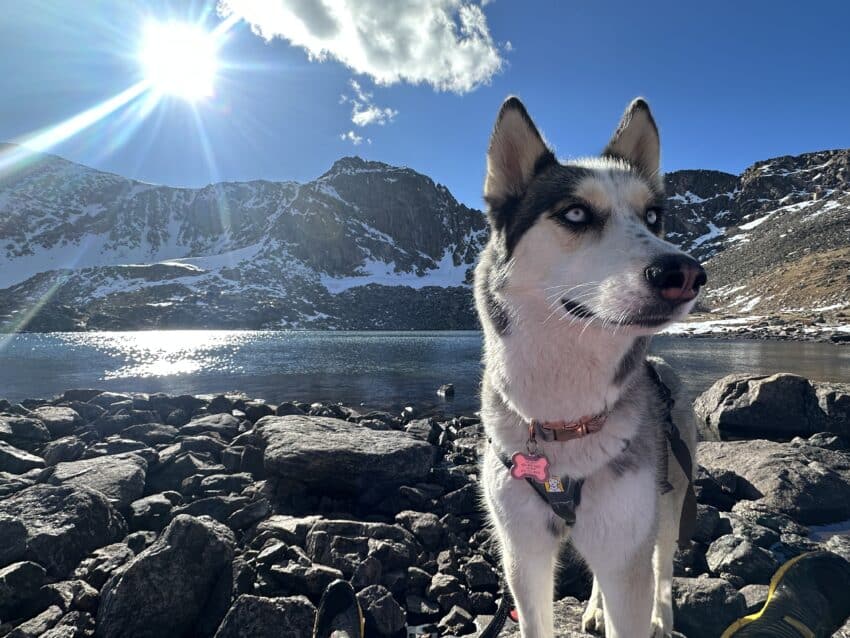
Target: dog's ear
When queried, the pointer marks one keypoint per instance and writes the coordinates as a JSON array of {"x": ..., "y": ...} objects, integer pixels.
[
  {"x": 636, "y": 139},
  {"x": 516, "y": 153}
]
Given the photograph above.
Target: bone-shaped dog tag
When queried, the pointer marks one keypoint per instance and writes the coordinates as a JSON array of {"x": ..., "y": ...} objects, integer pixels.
[{"x": 533, "y": 466}]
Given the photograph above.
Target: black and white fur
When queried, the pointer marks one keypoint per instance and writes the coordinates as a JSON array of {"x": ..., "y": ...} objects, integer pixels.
[{"x": 567, "y": 315}]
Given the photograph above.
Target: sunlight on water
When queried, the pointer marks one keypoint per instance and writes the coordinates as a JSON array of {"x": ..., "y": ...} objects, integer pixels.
[{"x": 158, "y": 353}]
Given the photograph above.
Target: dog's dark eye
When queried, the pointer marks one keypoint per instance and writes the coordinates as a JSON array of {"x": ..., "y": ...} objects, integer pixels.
[
  {"x": 652, "y": 216},
  {"x": 576, "y": 215}
]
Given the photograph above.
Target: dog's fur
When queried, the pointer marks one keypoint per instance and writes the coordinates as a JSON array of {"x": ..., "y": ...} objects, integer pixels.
[{"x": 567, "y": 316}]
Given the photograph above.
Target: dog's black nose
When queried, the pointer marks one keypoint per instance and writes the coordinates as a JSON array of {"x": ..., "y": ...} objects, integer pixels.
[{"x": 677, "y": 278}]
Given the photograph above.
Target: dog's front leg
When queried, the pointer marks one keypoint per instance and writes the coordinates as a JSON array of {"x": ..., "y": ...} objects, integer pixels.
[
  {"x": 529, "y": 543},
  {"x": 627, "y": 589}
]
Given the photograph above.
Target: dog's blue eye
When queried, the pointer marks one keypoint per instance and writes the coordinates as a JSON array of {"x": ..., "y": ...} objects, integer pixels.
[
  {"x": 651, "y": 217},
  {"x": 576, "y": 215}
]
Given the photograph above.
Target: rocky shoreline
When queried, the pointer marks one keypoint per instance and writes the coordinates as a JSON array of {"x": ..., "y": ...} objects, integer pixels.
[{"x": 155, "y": 515}]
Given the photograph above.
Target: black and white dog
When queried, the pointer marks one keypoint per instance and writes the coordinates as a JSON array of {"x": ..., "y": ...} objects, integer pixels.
[{"x": 575, "y": 278}]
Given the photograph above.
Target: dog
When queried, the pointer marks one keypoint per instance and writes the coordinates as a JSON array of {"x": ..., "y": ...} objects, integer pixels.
[{"x": 575, "y": 278}]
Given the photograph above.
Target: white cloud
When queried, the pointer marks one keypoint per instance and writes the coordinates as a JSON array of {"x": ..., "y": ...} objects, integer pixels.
[
  {"x": 363, "y": 110},
  {"x": 444, "y": 43},
  {"x": 354, "y": 138}
]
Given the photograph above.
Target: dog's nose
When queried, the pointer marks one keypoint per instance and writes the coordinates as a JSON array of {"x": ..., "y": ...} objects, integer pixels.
[{"x": 676, "y": 277}]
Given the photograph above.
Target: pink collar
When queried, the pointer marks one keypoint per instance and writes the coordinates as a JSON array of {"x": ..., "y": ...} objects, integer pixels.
[{"x": 569, "y": 430}]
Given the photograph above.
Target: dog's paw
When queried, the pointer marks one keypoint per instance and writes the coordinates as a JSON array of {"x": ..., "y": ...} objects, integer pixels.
[{"x": 593, "y": 620}]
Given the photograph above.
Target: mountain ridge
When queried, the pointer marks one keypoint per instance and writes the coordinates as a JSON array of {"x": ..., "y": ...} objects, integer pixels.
[{"x": 369, "y": 245}]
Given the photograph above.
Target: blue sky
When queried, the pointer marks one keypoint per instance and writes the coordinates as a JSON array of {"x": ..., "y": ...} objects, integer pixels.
[{"x": 730, "y": 83}]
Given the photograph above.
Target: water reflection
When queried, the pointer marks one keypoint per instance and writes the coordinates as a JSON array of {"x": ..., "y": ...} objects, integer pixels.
[{"x": 380, "y": 369}]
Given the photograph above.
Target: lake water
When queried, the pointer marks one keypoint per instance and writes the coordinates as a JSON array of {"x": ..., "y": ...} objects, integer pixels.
[{"x": 378, "y": 369}]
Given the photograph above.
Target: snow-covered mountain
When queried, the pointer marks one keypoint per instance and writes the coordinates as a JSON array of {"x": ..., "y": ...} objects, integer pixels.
[
  {"x": 368, "y": 245},
  {"x": 364, "y": 245}
]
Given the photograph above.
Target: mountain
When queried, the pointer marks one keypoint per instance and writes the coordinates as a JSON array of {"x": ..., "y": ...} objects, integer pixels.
[{"x": 368, "y": 245}]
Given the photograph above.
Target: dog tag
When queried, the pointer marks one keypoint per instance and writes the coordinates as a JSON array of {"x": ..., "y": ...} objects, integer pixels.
[
  {"x": 553, "y": 484},
  {"x": 533, "y": 466}
]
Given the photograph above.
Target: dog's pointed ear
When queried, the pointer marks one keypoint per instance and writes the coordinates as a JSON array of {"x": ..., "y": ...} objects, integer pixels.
[
  {"x": 517, "y": 151},
  {"x": 636, "y": 139}
]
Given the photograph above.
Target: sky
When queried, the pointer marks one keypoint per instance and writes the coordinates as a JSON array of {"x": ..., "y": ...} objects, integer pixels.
[{"x": 417, "y": 83}]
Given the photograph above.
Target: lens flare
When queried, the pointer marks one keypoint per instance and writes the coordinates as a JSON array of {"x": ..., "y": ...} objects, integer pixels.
[{"x": 179, "y": 59}]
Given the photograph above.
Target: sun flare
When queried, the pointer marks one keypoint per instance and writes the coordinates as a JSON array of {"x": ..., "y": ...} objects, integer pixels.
[{"x": 179, "y": 59}]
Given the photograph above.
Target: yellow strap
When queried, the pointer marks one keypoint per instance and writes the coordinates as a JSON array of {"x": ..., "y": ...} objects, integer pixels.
[{"x": 805, "y": 632}]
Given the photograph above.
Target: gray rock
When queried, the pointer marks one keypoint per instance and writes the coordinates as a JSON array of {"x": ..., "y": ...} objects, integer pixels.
[
  {"x": 225, "y": 425},
  {"x": 384, "y": 616},
  {"x": 17, "y": 461},
  {"x": 457, "y": 622},
  {"x": 23, "y": 432},
  {"x": 809, "y": 484},
  {"x": 479, "y": 575},
  {"x": 777, "y": 406},
  {"x": 731, "y": 554},
  {"x": 250, "y": 514},
  {"x": 834, "y": 401},
  {"x": 839, "y": 545},
  {"x": 754, "y": 597},
  {"x": 14, "y": 535},
  {"x": 260, "y": 617},
  {"x": 338, "y": 456},
  {"x": 163, "y": 590},
  {"x": 151, "y": 433},
  {"x": 20, "y": 587},
  {"x": 344, "y": 544},
  {"x": 705, "y": 607},
  {"x": 63, "y": 523},
  {"x": 67, "y": 448},
  {"x": 311, "y": 579},
  {"x": 169, "y": 474},
  {"x": 120, "y": 478},
  {"x": 153, "y": 512},
  {"x": 292, "y": 530},
  {"x": 38, "y": 626},
  {"x": 99, "y": 567},
  {"x": 59, "y": 420},
  {"x": 425, "y": 526},
  {"x": 219, "y": 508}
]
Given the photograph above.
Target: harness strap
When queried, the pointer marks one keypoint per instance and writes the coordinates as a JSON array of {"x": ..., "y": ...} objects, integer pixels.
[
  {"x": 563, "y": 501},
  {"x": 688, "y": 516}
]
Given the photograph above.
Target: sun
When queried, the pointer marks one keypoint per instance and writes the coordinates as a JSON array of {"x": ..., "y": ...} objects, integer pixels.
[{"x": 179, "y": 59}]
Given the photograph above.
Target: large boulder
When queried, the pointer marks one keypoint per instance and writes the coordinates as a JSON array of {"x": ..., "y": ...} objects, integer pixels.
[
  {"x": 342, "y": 457},
  {"x": 163, "y": 590},
  {"x": 120, "y": 478},
  {"x": 779, "y": 406},
  {"x": 63, "y": 524},
  {"x": 810, "y": 484},
  {"x": 17, "y": 461},
  {"x": 260, "y": 617},
  {"x": 59, "y": 420},
  {"x": 23, "y": 432},
  {"x": 225, "y": 425},
  {"x": 14, "y": 540}
]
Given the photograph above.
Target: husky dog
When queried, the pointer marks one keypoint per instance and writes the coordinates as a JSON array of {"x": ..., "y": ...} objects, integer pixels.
[{"x": 575, "y": 278}]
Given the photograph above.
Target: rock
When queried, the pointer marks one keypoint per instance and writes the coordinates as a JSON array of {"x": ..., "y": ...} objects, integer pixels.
[
  {"x": 479, "y": 575},
  {"x": 219, "y": 508},
  {"x": 11, "y": 483},
  {"x": 151, "y": 433},
  {"x": 705, "y": 607},
  {"x": 120, "y": 478},
  {"x": 425, "y": 526},
  {"x": 225, "y": 425},
  {"x": 14, "y": 535},
  {"x": 59, "y": 420},
  {"x": 344, "y": 544},
  {"x": 458, "y": 622},
  {"x": 38, "y": 626},
  {"x": 73, "y": 594},
  {"x": 708, "y": 518},
  {"x": 114, "y": 446},
  {"x": 754, "y": 597},
  {"x": 259, "y": 617},
  {"x": 17, "y": 461},
  {"x": 341, "y": 457},
  {"x": 83, "y": 395},
  {"x": 20, "y": 589},
  {"x": 809, "y": 484},
  {"x": 292, "y": 530},
  {"x": 731, "y": 554},
  {"x": 225, "y": 483},
  {"x": 384, "y": 616},
  {"x": 163, "y": 590},
  {"x": 63, "y": 523},
  {"x": 111, "y": 424},
  {"x": 447, "y": 390},
  {"x": 311, "y": 579},
  {"x": 99, "y": 567},
  {"x": 67, "y": 448},
  {"x": 171, "y": 473},
  {"x": 778, "y": 406},
  {"x": 153, "y": 512},
  {"x": 834, "y": 401},
  {"x": 250, "y": 514},
  {"x": 567, "y": 615},
  {"x": 23, "y": 432},
  {"x": 461, "y": 501},
  {"x": 839, "y": 545},
  {"x": 108, "y": 399},
  {"x": 420, "y": 610}
]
